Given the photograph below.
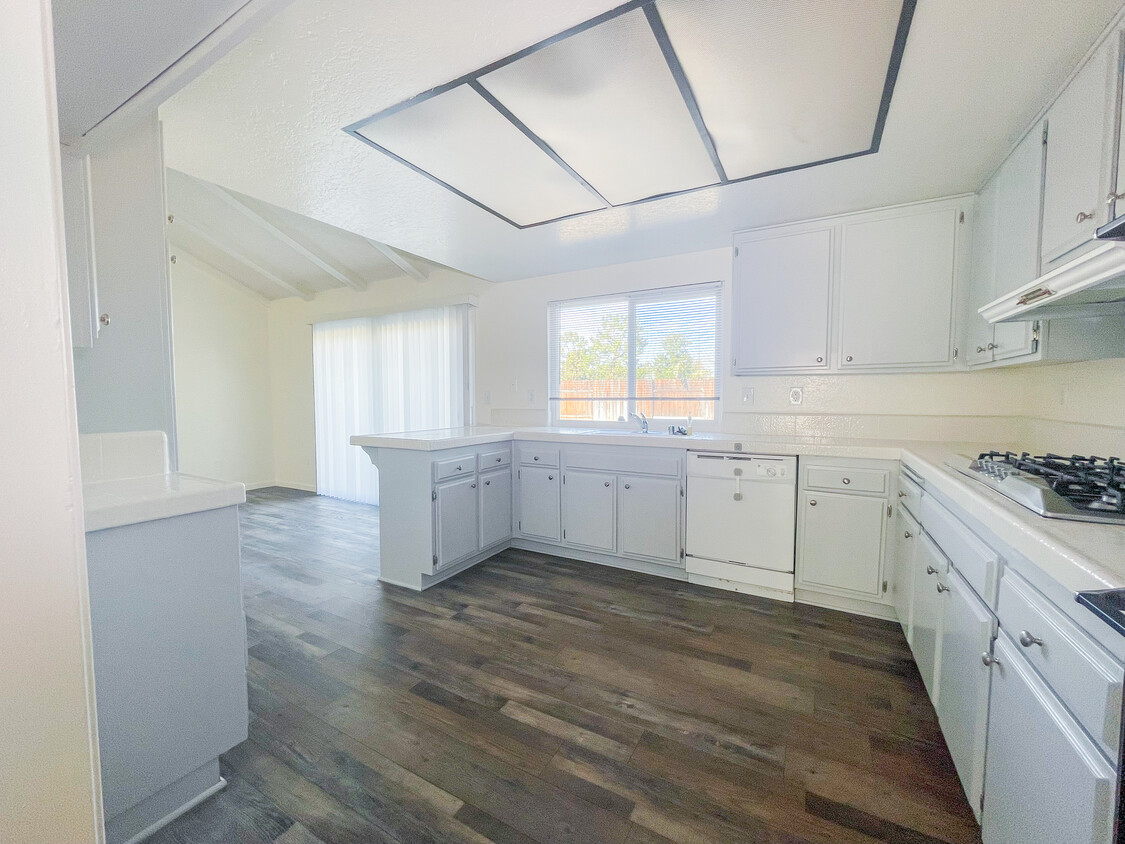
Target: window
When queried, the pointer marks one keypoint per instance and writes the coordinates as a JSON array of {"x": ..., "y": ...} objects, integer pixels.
[
  {"x": 380, "y": 375},
  {"x": 655, "y": 352}
]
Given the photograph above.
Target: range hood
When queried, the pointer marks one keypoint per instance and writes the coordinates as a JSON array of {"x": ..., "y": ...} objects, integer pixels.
[{"x": 1093, "y": 284}]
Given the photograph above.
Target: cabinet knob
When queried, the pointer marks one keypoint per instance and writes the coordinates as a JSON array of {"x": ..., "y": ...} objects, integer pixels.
[
  {"x": 536, "y": 458},
  {"x": 1027, "y": 640},
  {"x": 847, "y": 481},
  {"x": 941, "y": 587},
  {"x": 989, "y": 660},
  {"x": 472, "y": 486},
  {"x": 812, "y": 503},
  {"x": 627, "y": 486},
  {"x": 901, "y": 494},
  {"x": 607, "y": 483},
  {"x": 499, "y": 459},
  {"x": 980, "y": 350},
  {"x": 849, "y": 358},
  {"x": 1113, "y": 197},
  {"x": 1082, "y": 216},
  {"x": 458, "y": 467},
  {"x": 907, "y": 535},
  {"x": 550, "y": 477},
  {"x": 931, "y": 570},
  {"x": 820, "y": 360},
  {"x": 103, "y": 320},
  {"x": 991, "y": 346},
  {"x": 488, "y": 483}
]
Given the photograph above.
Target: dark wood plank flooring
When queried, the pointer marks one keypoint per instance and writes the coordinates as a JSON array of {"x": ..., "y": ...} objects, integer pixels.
[{"x": 539, "y": 699}]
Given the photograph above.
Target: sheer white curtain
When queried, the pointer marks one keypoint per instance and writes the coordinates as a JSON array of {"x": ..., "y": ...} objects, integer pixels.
[{"x": 378, "y": 375}]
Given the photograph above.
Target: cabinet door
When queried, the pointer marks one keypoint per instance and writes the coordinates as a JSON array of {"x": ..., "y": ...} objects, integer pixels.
[
  {"x": 925, "y": 616},
  {"x": 81, "y": 273},
  {"x": 841, "y": 544},
  {"x": 978, "y": 331},
  {"x": 589, "y": 502},
  {"x": 1077, "y": 143},
  {"x": 903, "y": 548},
  {"x": 649, "y": 518},
  {"x": 495, "y": 508},
  {"x": 896, "y": 296},
  {"x": 966, "y": 634},
  {"x": 455, "y": 509},
  {"x": 781, "y": 302},
  {"x": 539, "y": 503},
  {"x": 1046, "y": 782},
  {"x": 1019, "y": 198}
]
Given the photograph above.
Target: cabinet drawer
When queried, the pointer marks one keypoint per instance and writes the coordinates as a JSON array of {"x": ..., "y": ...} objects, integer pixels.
[
  {"x": 533, "y": 454},
  {"x": 976, "y": 562},
  {"x": 846, "y": 480},
  {"x": 1084, "y": 676},
  {"x": 910, "y": 496},
  {"x": 494, "y": 459},
  {"x": 624, "y": 461},
  {"x": 455, "y": 467}
]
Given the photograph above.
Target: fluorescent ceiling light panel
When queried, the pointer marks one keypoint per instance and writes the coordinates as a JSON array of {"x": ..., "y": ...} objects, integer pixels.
[
  {"x": 605, "y": 100},
  {"x": 460, "y": 139},
  {"x": 784, "y": 83}
]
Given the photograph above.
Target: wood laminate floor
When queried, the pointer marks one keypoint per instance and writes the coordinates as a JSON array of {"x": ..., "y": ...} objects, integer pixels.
[{"x": 539, "y": 699}]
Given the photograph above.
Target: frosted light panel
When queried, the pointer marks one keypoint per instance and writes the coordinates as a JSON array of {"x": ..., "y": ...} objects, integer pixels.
[
  {"x": 460, "y": 139},
  {"x": 781, "y": 84},
  {"x": 605, "y": 100}
]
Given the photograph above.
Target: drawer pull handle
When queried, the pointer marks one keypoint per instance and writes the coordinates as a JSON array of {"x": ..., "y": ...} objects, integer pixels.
[
  {"x": 1027, "y": 640},
  {"x": 931, "y": 570},
  {"x": 901, "y": 494},
  {"x": 536, "y": 458},
  {"x": 847, "y": 481},
  {"x": 458, "y": 467},
  {"x": 907, "y": 535},
  {"x": 989, "y": 660},
  {"x": 941, "y": 587},
  {"x": 499, "y": 459}
]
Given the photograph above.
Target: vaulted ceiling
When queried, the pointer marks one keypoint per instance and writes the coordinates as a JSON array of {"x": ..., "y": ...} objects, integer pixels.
[{"x": 267, "y": 121}]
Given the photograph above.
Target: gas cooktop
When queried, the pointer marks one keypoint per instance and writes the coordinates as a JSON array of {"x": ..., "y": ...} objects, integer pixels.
[{"x": 1084, "y": 489}]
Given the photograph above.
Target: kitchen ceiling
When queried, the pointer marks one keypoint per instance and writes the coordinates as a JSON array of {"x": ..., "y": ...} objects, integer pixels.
[
  {"x": 610, "y": 106},
  {"x": 266, "y": 120}
]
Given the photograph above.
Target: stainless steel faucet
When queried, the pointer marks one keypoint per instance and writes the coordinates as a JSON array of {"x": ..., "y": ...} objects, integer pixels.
[{"x": 640, "y": 417}]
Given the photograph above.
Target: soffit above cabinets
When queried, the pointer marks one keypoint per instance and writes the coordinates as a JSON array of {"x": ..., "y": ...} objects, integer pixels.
[{"x": 652, "y": 99}]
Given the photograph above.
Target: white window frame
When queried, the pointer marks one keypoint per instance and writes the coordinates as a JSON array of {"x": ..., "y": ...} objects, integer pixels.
[{"x": 633, "y": 297}]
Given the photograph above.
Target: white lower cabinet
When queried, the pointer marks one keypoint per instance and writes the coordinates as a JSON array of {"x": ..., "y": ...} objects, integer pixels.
[
  {"x": 649, "y": 514},
  {"x": 841, "y": 543},
  {"x": 930, "y": 566},
  {"x": 456, "y": 521},
  {"x": 967, "y": 629},
  {"x": 539, "y": 516},
  {"x": 902, "y": 550},
  {"x": 589, "y": 509},
  {"x": 495, "y": 507},
  {"x": 1046, "y": 781}
]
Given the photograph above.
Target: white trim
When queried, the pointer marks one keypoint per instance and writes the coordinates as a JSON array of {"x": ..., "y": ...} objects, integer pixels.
[
  {"x": 171, "y": 816},
  {"x": 418, "y": 305}
]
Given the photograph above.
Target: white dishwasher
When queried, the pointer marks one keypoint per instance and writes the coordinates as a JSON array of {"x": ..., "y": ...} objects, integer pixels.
[{"x": 742, "y": 522}]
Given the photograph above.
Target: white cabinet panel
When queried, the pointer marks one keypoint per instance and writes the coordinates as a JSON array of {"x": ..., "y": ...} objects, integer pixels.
[
  {"x": 455, "y": 509},
  {"x": 495, "y": 508},
  {"x": 81, "y": 272},
  {"x": 926, "y": 615},
  {"x": 1046, "y": 782},
  {"x": 649, "y": 515},
  {"x": 539, "y": 503},
  {"x": 782, "y": 290},
  {"x": 966, "y": 635},
  {"x": 589, "y": 500},
  {"x": 840, "y": 543},
  {"x": 1078, "y": 140},
  {"x": 902, "y": 551},
  {"x": 896, "y": 290},
  {"x": 978, "y": 331}
]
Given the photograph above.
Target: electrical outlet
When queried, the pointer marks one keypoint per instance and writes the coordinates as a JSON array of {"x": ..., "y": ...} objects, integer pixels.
[
  {"x": 796, "y": 395},
  {"x": 487, "y": 397},
  {"x": 747, "y": 395}
]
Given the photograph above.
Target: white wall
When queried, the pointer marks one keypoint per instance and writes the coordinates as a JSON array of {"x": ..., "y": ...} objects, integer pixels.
[
  {"x": 50, "y": 788},
  {"x": 221, "y": 342},
  {"x": 124, "y": 383}
]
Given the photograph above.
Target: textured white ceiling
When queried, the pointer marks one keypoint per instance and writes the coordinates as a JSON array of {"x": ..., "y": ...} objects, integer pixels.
[{"x": 266, "y": 121}]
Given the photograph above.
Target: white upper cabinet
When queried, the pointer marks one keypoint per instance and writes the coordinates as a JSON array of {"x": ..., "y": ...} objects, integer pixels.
[
  {"x": 782, "y": 295},
  {"x": 1081, "y": 146},
  {"x": 896, "y": 288},
  {"x": 978, "y": 332}
]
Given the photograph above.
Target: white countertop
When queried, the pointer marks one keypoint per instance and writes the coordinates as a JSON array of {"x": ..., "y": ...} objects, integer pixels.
[
  {"x": 1079, "y": 555},
  {"x": 127, "y": 501}
]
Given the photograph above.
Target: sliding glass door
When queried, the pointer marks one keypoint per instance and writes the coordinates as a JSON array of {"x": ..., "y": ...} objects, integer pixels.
[{"x": 375, "y": 375}]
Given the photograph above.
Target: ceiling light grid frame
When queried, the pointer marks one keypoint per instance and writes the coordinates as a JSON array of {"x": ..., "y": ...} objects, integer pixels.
[{"x": 652, "y": 15}]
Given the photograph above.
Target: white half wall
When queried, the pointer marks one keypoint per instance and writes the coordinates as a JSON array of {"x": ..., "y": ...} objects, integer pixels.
[{"x": 221, "y": 342}]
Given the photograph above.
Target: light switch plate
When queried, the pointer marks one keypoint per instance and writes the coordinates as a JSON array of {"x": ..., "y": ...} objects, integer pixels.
[
  {"x": 796, "y": 395},
  {"x": 747, "y": 395}
]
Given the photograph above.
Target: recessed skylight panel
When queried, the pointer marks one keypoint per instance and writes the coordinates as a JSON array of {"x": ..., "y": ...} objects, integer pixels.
[
  {"x": 606, "y": 101},
  {"x": 461, "y": 140},
  {"x": 784, "y": 84}
]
